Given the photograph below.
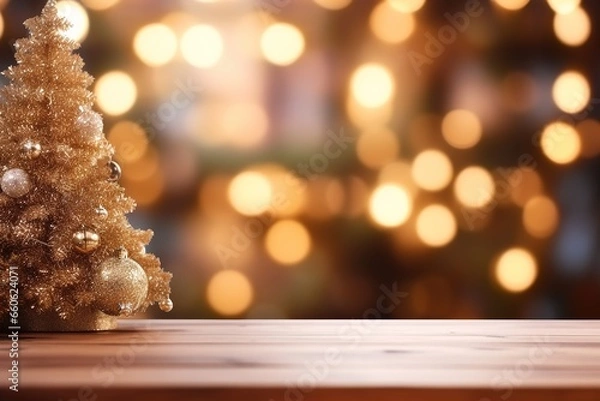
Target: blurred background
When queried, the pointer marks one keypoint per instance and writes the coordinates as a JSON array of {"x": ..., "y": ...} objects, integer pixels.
[{"x": 309, "y": 158}]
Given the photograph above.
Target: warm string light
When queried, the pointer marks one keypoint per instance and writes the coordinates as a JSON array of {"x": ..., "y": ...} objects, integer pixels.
[
  {"x": 432, "y": 170},
  {"x": 77, "y": 16},
  {"x": 282, "y": 44},
  {"x": 116, "y": 92},
  {"x": 461, "y": 129},
  {"x": 436, "y": 226},
  {"x": 390, "y": 205},
  {"x": 571, "y": 92},
  {"x": 372, "y": 85},
  {"x": 516, "y": 270},
  {"x": 155, "y": 44},
  {"x": 391, "y": 25},
  {"x": 333, "y": 4},
  {"x": 202, "y": 46},
  {"x": 511, "y": 5},
  {"x": 370, "y": 107},
  {"x": 229, "y": 292},
  {"x": 288, "y": 242}
]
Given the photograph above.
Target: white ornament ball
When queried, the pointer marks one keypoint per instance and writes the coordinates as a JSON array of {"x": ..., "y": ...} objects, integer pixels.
[
  {"x": 15, "y": 183},
  {"x": 90, "y": 123}
]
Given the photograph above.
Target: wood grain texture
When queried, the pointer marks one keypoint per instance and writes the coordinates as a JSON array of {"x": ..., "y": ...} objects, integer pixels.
[{"x": 482, "y": 360}]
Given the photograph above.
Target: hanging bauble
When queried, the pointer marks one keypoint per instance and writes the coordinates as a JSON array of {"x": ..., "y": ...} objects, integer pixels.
[
  {"x": 101, "y": 212},
  {"x": 90, "y": 124},
  {"x": 121, "y": 285},
  {"x": 115, "y": 171},
  {"x": 15, "y": 183},
  {"x": 165, "y": 305},
  {"x": 86, "y": 241},
  {"x": 31, "y": 149}
]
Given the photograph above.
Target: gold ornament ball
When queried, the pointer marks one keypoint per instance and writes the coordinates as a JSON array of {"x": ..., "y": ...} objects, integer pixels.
[
  {"x": 15, "y": 183},
  {"x": 31, "y": 150},
  {"x": 86, "y": 241},
  {"x": 166, "y": 305},
  {"x": 121, "y": 285}
]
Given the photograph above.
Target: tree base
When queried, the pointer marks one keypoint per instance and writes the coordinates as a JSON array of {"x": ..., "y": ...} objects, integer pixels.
[{"x": 84, "y": 320}]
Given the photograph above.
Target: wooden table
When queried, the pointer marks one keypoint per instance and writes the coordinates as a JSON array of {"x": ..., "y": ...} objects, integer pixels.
[{"x": 298, "y": 360}]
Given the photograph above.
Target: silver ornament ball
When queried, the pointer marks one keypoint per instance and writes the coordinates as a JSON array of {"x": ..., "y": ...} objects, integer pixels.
[
  {"x": 15, "y": 183},
  {"x": 90, "y": 123},
  {"x": 115, "y": 171},
  {"x": 101, "y": 212}
]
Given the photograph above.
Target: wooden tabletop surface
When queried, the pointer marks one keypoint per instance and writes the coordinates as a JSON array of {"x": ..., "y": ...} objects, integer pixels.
[{"x": 474, "y": 360}]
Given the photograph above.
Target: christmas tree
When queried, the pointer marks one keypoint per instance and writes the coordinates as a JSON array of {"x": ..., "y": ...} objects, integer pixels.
[{"x": 63, "y": 230}]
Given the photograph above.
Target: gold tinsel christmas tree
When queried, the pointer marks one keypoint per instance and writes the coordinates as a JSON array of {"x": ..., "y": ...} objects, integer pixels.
[{"x": 75, "y": 259}]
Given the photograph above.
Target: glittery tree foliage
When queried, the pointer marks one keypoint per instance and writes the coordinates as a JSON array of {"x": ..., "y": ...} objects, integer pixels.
[{"x": 62, "y": 210}]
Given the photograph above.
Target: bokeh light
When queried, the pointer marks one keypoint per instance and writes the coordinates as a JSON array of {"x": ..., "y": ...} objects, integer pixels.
[
  {"x": 511, "y": 5},
  {"x": 100, "y": 5},
  {"x": 571, "y": 92},
  {"x": 129, "y": 141},
  {"x": 390, "y": 25},
  {"x": 282, "y": 44},
  {"x": 432, "y": 170},
  {"x": 560, "y": 142},
  {"x": 116, "y": 92},
  {"x": 474, "y": 187},
  {"x": 220, "y": 117},
  {"x": 1, "y": 25},
  {"x": 250, "y": 193},
  {"x": 73, "y": 12},
  {"x": 436, "y": 226},
  {"x": 202, "y": 46},
  {"x": 243, "y": 124},
  {"x": 288, "y": 242},
  {"x": 377, "y": 148},
  {"x": 461, "y": 129},
  {"x": 155, "y": 44},
  {"x": 229, "y": 292},
  {"x": 390, "y": 205},
  {"x": 406, "y": 6},
  {"x": 563, "y": 6},
  {"x": 573, "y": 28},
  {"x": 372, "y": 85},
  {"x": 516, "y": 270},
  {"x": 333, "y": 4},
  {"x": 540, "y": 217}
]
